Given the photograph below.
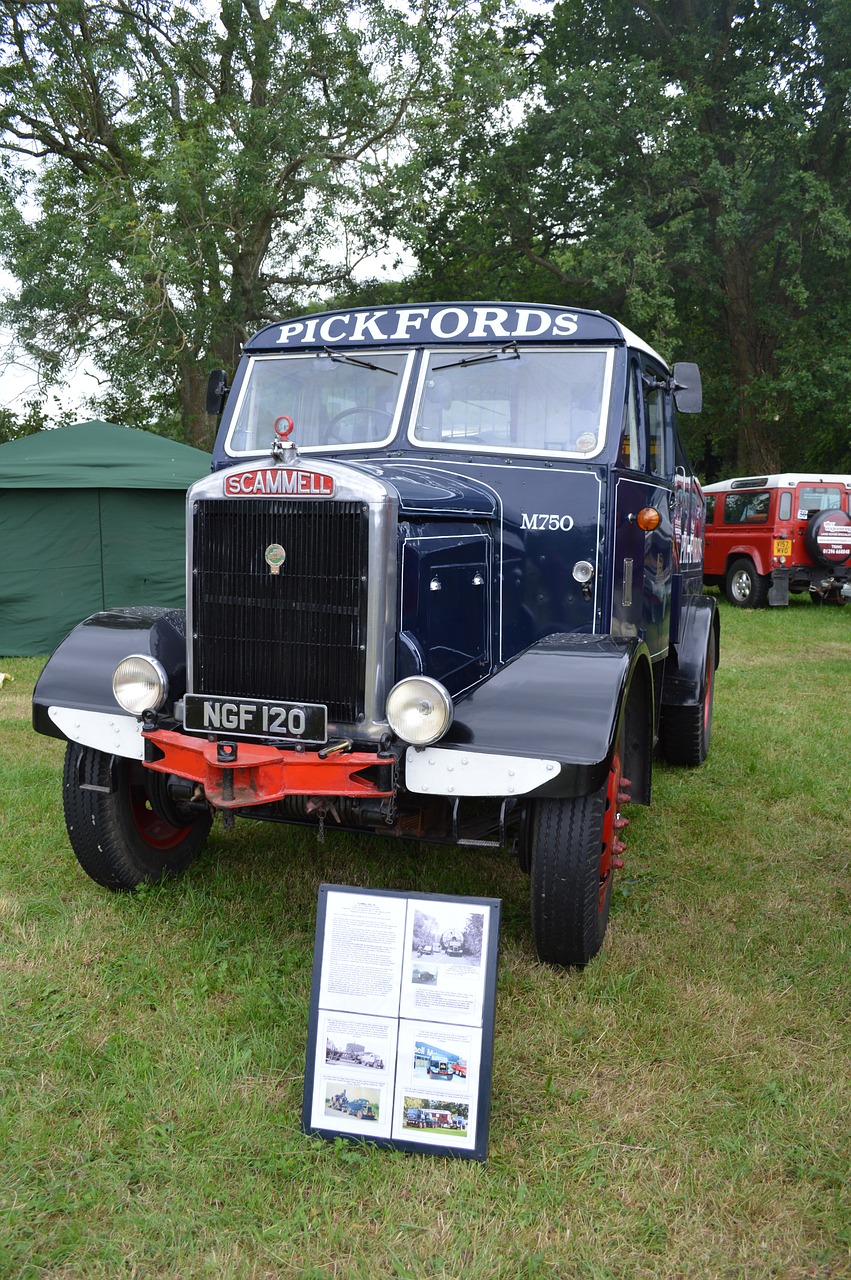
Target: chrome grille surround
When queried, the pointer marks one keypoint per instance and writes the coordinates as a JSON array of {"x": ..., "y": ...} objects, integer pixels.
[{"x": 366, "y": 510}]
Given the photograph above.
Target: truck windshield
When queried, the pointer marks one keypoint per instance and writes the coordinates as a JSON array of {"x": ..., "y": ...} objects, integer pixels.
[
  {"x": 522, "y": 402},
  {"x": 331, "y": 400}
]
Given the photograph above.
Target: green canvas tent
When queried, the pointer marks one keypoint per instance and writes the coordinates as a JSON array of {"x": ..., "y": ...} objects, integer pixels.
[{"x": 91, "y": 516}]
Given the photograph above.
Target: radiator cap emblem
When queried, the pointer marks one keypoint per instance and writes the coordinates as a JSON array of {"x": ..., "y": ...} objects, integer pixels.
[{"x": 275, "y": 555}]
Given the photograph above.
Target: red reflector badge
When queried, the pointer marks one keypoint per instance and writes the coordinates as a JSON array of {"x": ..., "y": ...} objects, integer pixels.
[{"x": 277, "y": 481}]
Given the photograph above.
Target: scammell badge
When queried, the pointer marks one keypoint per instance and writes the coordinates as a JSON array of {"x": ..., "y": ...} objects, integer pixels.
[{"x": 275, "y": 555}]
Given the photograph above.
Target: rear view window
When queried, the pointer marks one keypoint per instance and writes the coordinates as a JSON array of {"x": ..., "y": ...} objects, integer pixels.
[
  {"x": 747, "y": 508},
  {"x": 811, "y": 499}
]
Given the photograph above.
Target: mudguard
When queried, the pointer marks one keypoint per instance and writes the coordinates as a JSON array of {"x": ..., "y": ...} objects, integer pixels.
[
  {"x": 73, "y": 697},
  {"x": 685, "y": 670},
  {"x": 556, "y": 704}
]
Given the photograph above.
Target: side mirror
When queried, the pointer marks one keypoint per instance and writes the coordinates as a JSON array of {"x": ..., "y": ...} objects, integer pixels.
[
  {"x": 687, "y": 388},
  {"x": 217, "y": 389}
]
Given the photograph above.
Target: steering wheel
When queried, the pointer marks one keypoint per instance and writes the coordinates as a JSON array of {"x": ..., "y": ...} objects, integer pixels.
[{"x": 381, "y": 414}]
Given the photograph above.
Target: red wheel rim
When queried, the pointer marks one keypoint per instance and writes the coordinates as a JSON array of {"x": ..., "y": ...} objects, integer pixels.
[
  {"x": 707, "y": 698},
  {"x": 609, "y": 830},
  {"x": 154, "y": 830}
]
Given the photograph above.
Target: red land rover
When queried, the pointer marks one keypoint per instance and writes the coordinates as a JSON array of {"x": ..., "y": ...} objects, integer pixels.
[{"x": 769, "y": 535}]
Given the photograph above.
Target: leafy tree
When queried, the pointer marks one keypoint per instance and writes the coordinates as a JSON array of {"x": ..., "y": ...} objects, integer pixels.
[
  {"x": 684, "y": 164},
  {"x": 35, "y": 417},
  {"x": 172, "y": 178}
]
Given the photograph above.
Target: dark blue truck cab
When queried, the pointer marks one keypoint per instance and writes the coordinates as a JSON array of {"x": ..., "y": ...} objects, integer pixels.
[{"x": 444, "y": 582}]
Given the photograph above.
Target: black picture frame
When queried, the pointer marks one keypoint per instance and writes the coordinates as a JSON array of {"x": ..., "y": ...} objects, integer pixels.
[{"x": 428, "y": 993}]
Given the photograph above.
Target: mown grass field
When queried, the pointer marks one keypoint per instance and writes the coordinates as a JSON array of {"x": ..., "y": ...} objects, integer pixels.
[{"x": 679, "y": 1109}]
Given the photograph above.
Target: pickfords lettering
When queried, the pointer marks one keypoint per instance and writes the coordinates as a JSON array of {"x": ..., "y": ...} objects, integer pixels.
[
  {"x": 424, "y": 323},
  {"x": 444, "y": 584}
]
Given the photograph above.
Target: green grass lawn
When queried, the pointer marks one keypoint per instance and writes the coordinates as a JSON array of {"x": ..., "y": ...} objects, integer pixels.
[{"x": 679, "y": 1109}]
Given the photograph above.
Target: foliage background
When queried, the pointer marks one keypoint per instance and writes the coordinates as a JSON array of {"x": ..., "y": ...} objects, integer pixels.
[{"x": 173, "y": 177}]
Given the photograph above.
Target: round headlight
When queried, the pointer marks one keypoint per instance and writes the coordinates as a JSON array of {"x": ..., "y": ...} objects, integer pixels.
[
  {"x": 140, "y": 684},
  {"x": 419, "y": 710},
  {"x": 583, "y": 571}
]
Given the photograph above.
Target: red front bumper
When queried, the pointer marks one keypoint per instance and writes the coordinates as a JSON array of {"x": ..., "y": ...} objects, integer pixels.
[{"x": 237, "y": 774}]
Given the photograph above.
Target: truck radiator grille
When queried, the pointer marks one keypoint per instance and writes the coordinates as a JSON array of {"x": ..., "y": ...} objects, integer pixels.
[{"x": 298, "y": 635}]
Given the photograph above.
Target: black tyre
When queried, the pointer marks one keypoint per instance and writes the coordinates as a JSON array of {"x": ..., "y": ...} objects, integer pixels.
[
  {"x": 572, "y": 862},
  {"x": 686, "y": 730},
  {"x": 125, "y": 832},
  {"x": 744, "y": 587}
]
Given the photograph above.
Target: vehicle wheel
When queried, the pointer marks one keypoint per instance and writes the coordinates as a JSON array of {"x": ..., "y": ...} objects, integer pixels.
[
  {"x": 744, "y": 587},
  {"x": 686, "y": 730},
  {"x": 127, "y": 832},
  {"x": 572, "y": 862}
]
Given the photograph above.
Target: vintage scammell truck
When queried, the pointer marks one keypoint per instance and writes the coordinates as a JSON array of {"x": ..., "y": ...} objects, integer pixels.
[{"x": 443, "y": 583}]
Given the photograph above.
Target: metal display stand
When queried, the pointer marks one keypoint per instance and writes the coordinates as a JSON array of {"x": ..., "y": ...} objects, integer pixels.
[{"x": 402, "y": 1006}]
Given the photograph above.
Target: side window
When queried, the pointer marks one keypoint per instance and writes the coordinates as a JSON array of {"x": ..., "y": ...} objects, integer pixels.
[
  {"x": 784, "y": 509},
  {"x": 655, "y": 402},
  {"x": 710, "y": 508},
  {"x": 747, "y": 508},
  {"x": 658, "y": 413},
  {"x": 630, "y": 450}
]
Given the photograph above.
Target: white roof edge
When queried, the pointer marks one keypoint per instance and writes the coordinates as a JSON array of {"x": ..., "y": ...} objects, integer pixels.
[
  {"x": 633, "y": 340},
  {"x": 786, "y": 479}
]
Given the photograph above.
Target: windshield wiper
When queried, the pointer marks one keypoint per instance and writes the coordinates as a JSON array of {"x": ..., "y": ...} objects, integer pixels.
[
  {"x": 364, "y": 364},
  {"x": 508, "y": 352}
]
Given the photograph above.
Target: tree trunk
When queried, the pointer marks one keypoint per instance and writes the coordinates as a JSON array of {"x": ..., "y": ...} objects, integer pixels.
[
  {"x": 749, "y": 346},
  {"x": 199, "y": 427}
]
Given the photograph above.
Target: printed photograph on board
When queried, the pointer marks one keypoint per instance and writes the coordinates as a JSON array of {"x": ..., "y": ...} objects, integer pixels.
[{"x": 443, "y": 975}]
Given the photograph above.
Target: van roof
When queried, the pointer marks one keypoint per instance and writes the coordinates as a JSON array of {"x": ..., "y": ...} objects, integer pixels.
[{"x": 784, "y": 480}]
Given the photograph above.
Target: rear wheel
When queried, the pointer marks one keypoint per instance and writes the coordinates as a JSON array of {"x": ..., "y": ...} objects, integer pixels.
[
  {"x": 122, "y": 826},
  {"x": 744, "y": 587},
  {"x": 686, "y": 730},
  {"x": 574, "y": 849}
]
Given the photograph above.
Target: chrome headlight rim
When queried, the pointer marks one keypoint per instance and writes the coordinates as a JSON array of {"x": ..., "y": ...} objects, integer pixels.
[
  {"x": 140, "y": 684},
  {"x": 405, "y": 700}
]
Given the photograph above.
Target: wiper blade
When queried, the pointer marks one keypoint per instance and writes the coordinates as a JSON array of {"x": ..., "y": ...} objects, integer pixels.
[
  {"x": 508, "y": 352},
  {"x": 339, "y": 358}
]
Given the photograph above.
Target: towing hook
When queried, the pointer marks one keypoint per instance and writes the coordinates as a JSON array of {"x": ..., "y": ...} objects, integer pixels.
[{"x": 335, "y": 748}]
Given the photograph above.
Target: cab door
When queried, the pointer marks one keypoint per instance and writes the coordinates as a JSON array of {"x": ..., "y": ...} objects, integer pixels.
[{"x": 642, "y": 562}]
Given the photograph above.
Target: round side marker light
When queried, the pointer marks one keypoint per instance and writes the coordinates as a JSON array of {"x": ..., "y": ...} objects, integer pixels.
[{"x": 648, "y": 518}]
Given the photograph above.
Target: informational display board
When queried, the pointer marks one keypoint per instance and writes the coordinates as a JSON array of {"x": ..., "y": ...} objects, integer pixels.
[{"x": 400, "y": 1040}]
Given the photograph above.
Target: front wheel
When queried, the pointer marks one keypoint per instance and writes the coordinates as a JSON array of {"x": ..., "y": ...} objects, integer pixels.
[
  {"x": 744, "y": 587},
  {"x": 574, "y": 851},
  {"x": 123, "y": 828}
]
